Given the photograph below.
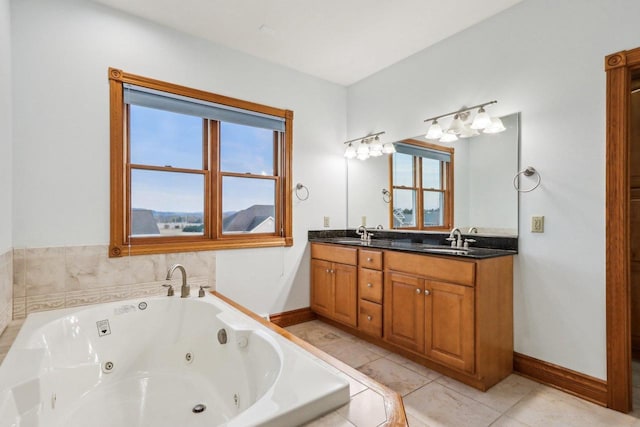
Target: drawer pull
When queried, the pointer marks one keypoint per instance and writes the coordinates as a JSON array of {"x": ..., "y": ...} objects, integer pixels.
[
  {"x": 418, "y": 291},
  {"x": 369, "y": 285},
  {"x": 369, "y": 318},
  {"x": 369, "y": 259}
]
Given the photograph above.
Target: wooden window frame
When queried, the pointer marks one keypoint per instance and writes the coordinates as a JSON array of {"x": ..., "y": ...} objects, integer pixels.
[
  {"x": 446, "y": 179},
  {"x": 121, "y": 244}
]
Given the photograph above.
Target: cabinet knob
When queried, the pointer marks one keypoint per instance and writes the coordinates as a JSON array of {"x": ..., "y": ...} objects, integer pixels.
[
  {"x": 369, "y": 318},
  {"x": 327, "y": 270},
  {"x": 418, "y": 291},
  {"x": 427, "y": 292},
  {"x": 369, "y": 285}
]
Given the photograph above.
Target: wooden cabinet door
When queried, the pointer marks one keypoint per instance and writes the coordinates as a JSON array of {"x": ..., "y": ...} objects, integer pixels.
[
  {"x": 449, "y": 324},
  {"x": 404, "y": 310},
  {"x": 321, "y": 287},
  {"x": 345, "y": 298}
]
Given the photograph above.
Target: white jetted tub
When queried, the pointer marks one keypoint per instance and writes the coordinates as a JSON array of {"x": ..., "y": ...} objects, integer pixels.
[{"x": 161, "y": 361}]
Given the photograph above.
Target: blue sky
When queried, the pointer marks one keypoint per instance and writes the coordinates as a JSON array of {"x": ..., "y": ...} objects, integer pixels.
[{"x": 163, "y": 138}]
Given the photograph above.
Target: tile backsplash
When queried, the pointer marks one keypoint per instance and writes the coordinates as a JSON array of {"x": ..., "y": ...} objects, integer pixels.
[
  {"x": 59, "y": 277},
  {"x": 6, "y": 274}
]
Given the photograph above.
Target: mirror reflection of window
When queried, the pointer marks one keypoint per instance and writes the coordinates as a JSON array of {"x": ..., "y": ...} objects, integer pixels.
[{"x": 422, "y": 182}]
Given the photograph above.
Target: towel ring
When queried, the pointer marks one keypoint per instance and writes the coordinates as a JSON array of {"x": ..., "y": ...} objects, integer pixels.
[
  {"x": 386, "y": 195},
  {"x": 529, "y": 171},
  {"x": 300, "y": 186}
]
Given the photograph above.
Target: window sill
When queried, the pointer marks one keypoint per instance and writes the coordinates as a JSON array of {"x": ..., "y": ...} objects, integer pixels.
[{"x": 211, "y": 245}]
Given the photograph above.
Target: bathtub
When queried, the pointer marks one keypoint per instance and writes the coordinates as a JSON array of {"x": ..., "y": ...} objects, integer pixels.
[{"x": 161, "y": 361}]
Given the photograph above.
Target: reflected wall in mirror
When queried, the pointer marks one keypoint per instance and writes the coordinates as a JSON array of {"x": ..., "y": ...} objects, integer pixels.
[{"x": 483, "y": 193}]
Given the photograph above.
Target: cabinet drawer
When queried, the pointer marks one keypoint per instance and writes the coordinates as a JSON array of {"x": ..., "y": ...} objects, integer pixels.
[
  {"x": 370, "y": 259},
  {"x": 334, "y": 253},
  {"x": 370, "y": 318},
  {"x": 370, "y": 285},
  {"x": 448, "y": 270}
]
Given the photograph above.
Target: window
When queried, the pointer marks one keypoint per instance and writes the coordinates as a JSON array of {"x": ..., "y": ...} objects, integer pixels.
[
  {"x": 422, "y": 183},
  {"x": 191, "y": 170}
]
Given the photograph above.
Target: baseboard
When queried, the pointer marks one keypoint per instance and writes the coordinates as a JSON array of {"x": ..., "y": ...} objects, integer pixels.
[
  {"x": 293, "y": 317},
  {"x": 576, "y": 383}
]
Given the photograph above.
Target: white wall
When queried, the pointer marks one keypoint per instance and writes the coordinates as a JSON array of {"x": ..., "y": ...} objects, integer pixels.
[
  {"x": 5, "y": 128},
  {"x": 62, "y": 50},
  {"x": 544, "y": 58}
]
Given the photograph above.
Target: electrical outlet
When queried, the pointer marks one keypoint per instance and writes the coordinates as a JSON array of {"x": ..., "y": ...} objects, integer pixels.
[
  {"x": 326, "y": 221},
  {"x": 364, "y": 220},
  {"x": 537, "y": 224}
]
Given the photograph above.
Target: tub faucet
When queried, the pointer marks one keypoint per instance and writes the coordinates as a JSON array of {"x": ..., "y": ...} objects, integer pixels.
[{"x": 184, "y": 290}]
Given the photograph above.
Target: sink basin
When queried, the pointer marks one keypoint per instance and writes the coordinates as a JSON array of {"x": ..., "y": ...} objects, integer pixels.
[{"x": 449, "y": 251}]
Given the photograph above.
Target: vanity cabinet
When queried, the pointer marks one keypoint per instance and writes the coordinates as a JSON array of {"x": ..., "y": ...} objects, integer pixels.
[
  {"x": 430, "y": 317},
  {"x": 334, "y": 283},
  {"x": 370, "y": 292},
  {"x": 453, "y": 315},
  {"x": 457, "y": 313}
]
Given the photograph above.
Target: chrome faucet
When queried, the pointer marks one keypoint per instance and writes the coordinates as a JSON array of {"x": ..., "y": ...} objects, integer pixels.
[
  {"x": 364, "y": 233},
  {"x": 473, "y": 230},
  {"x": 455, "y": 242},
  {"x": 184, "y": 290}
]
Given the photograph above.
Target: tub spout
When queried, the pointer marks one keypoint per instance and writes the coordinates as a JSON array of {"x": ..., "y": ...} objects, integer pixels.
[{"x": 184, "y": 290}]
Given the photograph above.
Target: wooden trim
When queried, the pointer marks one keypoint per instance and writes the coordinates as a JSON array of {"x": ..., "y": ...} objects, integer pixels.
[
  {"x": 212, "y": 238},
  {"x": 117, "y": 75},
  {"x": 618, "y": 68},
  {"x": 292, "y": 317},
  {"x": 567, "y": 380},
  {"x": 394, "y": 407},
  {"x": 287, "y": 178},
  {"x": 446, "y": 188}
]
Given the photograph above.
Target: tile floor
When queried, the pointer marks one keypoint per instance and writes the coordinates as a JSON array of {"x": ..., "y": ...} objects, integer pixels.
[{"x": 431, "y": 399}]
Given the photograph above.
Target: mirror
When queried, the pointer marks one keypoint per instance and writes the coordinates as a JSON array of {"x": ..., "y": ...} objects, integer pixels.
[{"x": 483, "y": 193}]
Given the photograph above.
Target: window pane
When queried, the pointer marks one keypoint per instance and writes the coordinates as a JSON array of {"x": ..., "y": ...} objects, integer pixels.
[
  {"x": 431, "y": 173},
  {"x": 404, "y": 208},
  {"x": 246, "y": 149},
  {"x": 166, "y": 203},
  {"x": 248, "y": 205},
  {"x": 162, "y": 138},
  {"x": 433, "y": 208},
  {"x": 402, "y": 170}
]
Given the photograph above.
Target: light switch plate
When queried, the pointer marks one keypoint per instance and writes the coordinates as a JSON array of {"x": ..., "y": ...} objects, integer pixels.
[
  {"x": 327, "y": 222},
  {"x": 537, "y": 224}
]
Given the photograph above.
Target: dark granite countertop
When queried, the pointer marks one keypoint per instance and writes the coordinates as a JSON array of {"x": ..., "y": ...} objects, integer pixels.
[{"x": 432, "y": 244}]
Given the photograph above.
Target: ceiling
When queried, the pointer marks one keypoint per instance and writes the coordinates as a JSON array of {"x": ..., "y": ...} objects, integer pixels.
[{"x": 342, "y": 41}]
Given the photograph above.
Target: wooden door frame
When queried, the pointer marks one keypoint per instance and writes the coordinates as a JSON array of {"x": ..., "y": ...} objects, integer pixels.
[{"x": 618, "y": 67}]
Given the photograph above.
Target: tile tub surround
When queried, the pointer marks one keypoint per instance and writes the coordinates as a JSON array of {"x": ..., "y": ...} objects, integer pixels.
[
  {"x": 6, "y": 290},
  {"x": 59, "y": 277},
  {"x": 431, "y": 399}
]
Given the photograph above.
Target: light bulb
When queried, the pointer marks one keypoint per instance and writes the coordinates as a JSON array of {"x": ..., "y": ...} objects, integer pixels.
[
  {"x": 363, "y": 156},
  {"x": 481, "y": 120},
  {"x": 456, "y": 125},
  {"x": 388, "y": 148},
  {"x": 350, "y": 152},
  {"x": 496, "y": 126},
  {"x": 435, "y": 131},
  {"x": 448, "y": 137},
  {"x": 363, "y": 149},
  {"x": 467, "y": 132},
  {"x": 375, "y": 148}
]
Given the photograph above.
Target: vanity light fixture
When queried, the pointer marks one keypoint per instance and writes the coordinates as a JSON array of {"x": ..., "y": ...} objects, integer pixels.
[
  {"x": 460, "y": 128},
  {"x": 367, "y": 146}
]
